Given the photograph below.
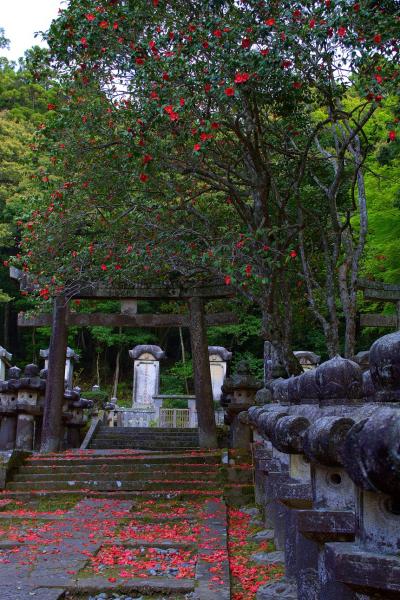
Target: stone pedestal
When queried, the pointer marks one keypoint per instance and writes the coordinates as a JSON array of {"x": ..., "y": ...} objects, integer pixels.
[{"x": 25, "y": 434}]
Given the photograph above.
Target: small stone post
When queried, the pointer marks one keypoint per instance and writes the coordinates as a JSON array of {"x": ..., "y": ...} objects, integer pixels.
[
  {"x": 202, "y": 375},
  {"x": 52, "y": 426},
  {"x": 5, "y": 359}
]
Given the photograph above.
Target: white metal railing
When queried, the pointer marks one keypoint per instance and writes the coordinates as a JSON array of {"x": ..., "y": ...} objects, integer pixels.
[{"x": 175, "y": 418}]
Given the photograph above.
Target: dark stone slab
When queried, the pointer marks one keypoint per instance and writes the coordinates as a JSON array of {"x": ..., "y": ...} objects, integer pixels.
[
  {"x": 365, "y": 572},
  {"x": 324, "y": 525}
]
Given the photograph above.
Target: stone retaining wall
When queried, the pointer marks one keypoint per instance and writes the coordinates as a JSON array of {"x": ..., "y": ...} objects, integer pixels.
[{"x": 327, "y": 472}]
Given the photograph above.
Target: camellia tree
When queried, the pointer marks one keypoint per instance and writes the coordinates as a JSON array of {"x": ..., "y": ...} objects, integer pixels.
[{"x": 190, "y": 136}]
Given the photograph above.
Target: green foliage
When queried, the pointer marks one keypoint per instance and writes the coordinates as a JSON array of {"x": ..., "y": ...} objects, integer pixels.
[
  {"x": 382, "y": 260},
  {"x": 99, "y": 397},
  {"x": 255, "y": 362},
  {"x": 172, "y": 380}
]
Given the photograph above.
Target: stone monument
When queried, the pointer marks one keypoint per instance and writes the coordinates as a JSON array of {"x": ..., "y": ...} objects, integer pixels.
[
  {"x": 219, "y": 358},
  {"x": 146, "y": 373},
  {"x": 146, "y": 382}
]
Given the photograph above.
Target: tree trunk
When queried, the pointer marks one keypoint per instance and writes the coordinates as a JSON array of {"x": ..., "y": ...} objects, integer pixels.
[
  {"x": 52, "y": 417},
  {"x": 6, "y": 324},
  {"x": 116, "y": 375},
  {"x": 98, "y": 368},
  {"x": 183, "y": 357},
  {"x": 202, "y": 375}
]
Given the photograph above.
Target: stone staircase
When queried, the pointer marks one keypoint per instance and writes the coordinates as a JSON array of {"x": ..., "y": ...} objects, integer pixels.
[
  {"x": 145, "y": 438},
  {"x": 125, "y": 473}
]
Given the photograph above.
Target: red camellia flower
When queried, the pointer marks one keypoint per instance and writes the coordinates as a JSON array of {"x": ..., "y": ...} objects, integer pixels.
[
  {"x": 197, "y": 147},
  {"x": 392, "y": 135},
  {"x": 147, "y": 158},
  {"x": 143, "y": 177},
  {"x": 44, "y": 293},
  {"x": 207, "y": 87},
  {"x": 230, "y": 91},
  {"x": 139, "y": 61},
  {"x": 217, "y": 33},
  {"x": 171, "y": 113},
  {"x": 246, "y": 43},
  {"x": 342, "y": 31},
  {"x": 377, "y": 38},
  {"x": 103, "y": 24},
  {"x": 90, "y": 17},
  {"x": 378, "y": 78},
  {"x": 248, "y": 270},
  {"x": 228, "y": 280},
  {"x": 155, "y": 3},
  {"x": 293, "y": 254},
  {"x": 103, "y": 267},
  {"x": 270, "y": 22},
  {"x": 311, "y": 24},
  {"x": 242, "y": 77},
  {"x": 51, "y": 107}
]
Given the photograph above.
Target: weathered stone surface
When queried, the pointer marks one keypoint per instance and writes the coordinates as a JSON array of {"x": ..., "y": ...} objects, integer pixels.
[
  {"x": 265, "y": 534},
  {"x": 339, "y": 379},
  {"x": 268, "y": 558},
  {"x": 281, "y": 590}
]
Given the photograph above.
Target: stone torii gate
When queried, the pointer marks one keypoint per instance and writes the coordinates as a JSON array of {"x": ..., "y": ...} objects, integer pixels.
[
  {"x": 62, "y": 318},
  {"x": 379, "y": 291}
]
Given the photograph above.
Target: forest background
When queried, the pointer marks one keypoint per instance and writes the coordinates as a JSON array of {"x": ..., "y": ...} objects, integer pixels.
[{"x": 24, "y": 101}]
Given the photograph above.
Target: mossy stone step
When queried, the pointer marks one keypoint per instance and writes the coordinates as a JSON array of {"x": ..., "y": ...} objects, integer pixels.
[
  {"x": 120, "y": 467},
  {"x": 108, "y": 474},
  {"x": 110, "y": 484},
  {"x": 128, "y": 460}
]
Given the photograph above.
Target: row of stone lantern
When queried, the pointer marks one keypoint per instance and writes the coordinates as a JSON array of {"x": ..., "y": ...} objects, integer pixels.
[
  {"x": 22, "y": 405},
  {"x": 328, "y": 476}
]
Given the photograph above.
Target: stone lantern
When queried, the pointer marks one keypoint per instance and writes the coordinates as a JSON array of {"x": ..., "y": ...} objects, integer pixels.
[
  {"x": 308, "y": 360},
  {"x": 238, "y": 395},
  {"x": 70, "y": 359}
]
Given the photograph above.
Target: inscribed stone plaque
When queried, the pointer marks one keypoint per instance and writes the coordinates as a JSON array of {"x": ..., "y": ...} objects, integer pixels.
[
  {"x": 218, "y": 372},
  {"x": 145, "y": 381}
]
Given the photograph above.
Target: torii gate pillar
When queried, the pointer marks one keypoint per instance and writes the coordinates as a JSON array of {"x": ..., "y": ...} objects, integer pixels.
[
  {"x": 202, "y": 375},
  {"x": 52, "y": 416}
]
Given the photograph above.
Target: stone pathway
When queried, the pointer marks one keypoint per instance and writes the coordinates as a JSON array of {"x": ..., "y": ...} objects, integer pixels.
[
  {"x": 160, "y": 535},
  {"x": 51, "y": 562}
]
